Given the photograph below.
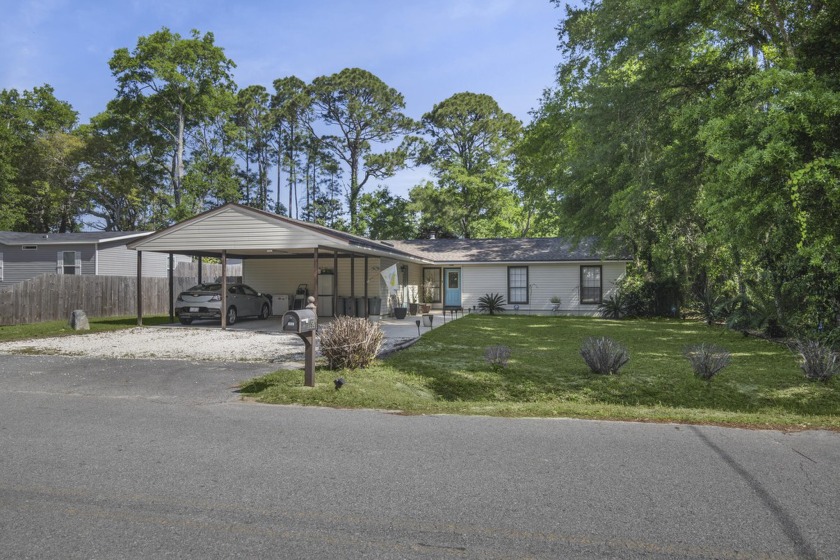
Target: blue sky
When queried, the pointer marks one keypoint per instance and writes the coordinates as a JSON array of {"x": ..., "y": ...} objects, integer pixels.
[{"x": 426, "y": 49}]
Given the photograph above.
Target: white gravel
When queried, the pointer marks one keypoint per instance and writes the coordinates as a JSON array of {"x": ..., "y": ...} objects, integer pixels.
[
  {"x": 179, "y": 343},
  {"x": 169, "y": 343}
]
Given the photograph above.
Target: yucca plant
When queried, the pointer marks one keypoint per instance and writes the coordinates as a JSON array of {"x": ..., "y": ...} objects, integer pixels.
[
  {"x": 497, "y": 356},
  {"x": 491, "y": 303},
  {"x": 819, "y": 361},
  {"x": 707, "y": 359},
  {"x": 604, "y": 355},
  {"x": 613, "y": 307}
]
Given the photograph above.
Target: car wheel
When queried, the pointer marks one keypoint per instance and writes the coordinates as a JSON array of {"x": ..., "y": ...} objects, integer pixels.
[
  {"x": 264, "y": 312},
  {"x": 186, "y": 320},
  {"x": 231, "y": 315}
]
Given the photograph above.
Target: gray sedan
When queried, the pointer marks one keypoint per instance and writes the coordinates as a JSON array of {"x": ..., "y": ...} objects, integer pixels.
[{"x": 204, "y": 301}]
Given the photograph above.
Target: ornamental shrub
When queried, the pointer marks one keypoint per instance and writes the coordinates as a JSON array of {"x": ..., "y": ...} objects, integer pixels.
[
  {"x": 497, "y": 356},
  {"x": 604, "y": 355},
  {"x": 707, "y": 359},
  {"x": 819, "y": 361},
  {"x": 491, "y": 303},
  {"x": 350, "y": 342}
]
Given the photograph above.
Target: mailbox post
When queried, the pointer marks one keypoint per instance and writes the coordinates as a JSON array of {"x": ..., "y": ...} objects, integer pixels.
[{"x": 303, "y": 322}]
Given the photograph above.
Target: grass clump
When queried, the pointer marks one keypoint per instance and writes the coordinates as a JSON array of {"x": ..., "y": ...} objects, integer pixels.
[
  {"x": 350, "y": 342},
  {"x": 707, "y": 359},
  {"x": 604, "y": 355}
]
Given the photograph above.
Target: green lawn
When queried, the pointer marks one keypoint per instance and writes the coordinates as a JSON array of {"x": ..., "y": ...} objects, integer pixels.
[
  {"x": 446, "y": 373},
  {"x": 61, "y": 328}
]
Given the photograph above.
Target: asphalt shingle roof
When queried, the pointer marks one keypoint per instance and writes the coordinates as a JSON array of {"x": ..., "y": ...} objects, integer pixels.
[
  {"x": 20, "y": 238},
  {"x": 506, "y": 250}
]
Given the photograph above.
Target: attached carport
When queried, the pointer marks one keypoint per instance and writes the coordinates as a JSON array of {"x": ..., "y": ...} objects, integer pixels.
[{"x": 236, "y": 231}]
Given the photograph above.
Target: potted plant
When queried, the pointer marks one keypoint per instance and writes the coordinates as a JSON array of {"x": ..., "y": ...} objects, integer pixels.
[
  {"x": 428, "y": 295},
  {"x": 556, "y": 301},
  {"x": 398, "y": 306},
  {"x": 413, "y": 307}
]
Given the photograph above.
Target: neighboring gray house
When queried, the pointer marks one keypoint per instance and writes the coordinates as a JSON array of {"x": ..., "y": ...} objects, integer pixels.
[{"x": 27, "y": 255}]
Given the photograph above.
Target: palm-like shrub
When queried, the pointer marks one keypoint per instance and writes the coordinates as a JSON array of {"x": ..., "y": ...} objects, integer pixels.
[
  {"x": 491, "y": 303},
  {"x": 819, "y": 361},
  {"x": 604, "y": 355},
  {"x": 614, "y": 307},
  {"x": 707, "y": 359},
  {"x": 350, "y": 342}
]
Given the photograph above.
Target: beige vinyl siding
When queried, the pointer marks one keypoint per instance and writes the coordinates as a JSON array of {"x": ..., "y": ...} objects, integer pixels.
[
  {"x": 545, "y": 281},
  {"x": 230, "y": 229}
]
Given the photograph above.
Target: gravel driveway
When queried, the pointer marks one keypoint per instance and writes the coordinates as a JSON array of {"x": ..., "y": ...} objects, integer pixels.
[{"x": 169, "y": 343}]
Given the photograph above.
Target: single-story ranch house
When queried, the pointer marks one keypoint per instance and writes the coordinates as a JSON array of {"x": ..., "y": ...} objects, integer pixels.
[
  {"x": 282, "y": 256},
  {"x": 27, "y": 255}
]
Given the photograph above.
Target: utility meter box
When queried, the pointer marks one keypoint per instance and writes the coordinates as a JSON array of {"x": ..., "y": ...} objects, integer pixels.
[{"x": 300, "y": 321}]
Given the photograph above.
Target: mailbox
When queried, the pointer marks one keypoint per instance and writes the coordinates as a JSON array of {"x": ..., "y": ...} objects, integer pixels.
[{"x": 300, "y": 321}]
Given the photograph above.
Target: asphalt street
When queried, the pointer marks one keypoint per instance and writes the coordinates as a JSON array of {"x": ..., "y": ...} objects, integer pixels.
[{"x": 103, "y": 458}]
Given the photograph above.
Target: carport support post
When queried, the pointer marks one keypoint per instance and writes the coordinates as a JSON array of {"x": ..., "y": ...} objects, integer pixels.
[
  {"x": 199, "y": 269},
  {"x": 367, "y": 305},
  {"x": 171, "y": 288},
  {"x": 140, "y": 288},
  {"x": 335, "y": 286},
  {"x": 224, "y": 289}
]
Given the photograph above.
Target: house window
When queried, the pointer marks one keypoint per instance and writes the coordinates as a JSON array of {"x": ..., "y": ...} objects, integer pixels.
[
  {"x": 517, "y": 284},
  {"x": 590, "y": 284},
  {"x": 431, "y": 285},
  {"x": 69, "y": 262}
]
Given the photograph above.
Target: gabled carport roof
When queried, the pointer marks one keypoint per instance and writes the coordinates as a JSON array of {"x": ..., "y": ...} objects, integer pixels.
[{"x": 246, "y": 232}]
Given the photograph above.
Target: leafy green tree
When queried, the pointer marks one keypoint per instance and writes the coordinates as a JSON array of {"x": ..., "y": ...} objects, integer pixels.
[
  {"x": 360, "y": 110},
  {"x": 40, "y": 163},
  {"x": 386, "y": 216},
  {"x": 702, "y": 136},
  {"x": 471, "y": 154},
  {"x": 170, "y": 85}
]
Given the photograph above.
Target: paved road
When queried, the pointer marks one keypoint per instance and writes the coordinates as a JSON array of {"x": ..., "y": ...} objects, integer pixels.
[{"x": 159, "y": 459}]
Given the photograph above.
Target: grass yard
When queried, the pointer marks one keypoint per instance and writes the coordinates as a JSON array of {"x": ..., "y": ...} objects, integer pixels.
[
  {"x": 61, "y": 328},
  {"x": 445, "y": 372}
]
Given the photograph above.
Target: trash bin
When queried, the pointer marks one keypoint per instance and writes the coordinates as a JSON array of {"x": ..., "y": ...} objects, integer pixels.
[
  {"x": 360, "y": 307},
  {"x": 339, "y": 306},
  {"x": 349, "y": 306},
  {"x": 375, "y": 306}
]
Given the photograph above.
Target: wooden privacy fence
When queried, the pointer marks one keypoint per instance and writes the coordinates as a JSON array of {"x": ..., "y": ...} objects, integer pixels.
[
  {"x": 53, "y": 297},
  {"x": 209, "y": 271}
]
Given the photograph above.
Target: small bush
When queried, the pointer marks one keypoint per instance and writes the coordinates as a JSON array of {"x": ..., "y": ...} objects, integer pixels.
[
  {"x": 350, "y": 342},
  {"x": 491, "y": 303},
  {"x": 707, "y": 359},
  {"x": 497, "y": 356},
  {"x": 819, "y": 361},
  {"x": 613, "y": 307},
  {"x": 604, "y": 355}
]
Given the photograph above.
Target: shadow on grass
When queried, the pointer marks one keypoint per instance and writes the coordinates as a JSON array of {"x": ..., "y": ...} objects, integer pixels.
[{"x": 545, "y": 365}]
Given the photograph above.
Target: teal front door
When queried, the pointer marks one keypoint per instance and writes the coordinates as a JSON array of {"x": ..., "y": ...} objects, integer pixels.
[{"x": 452, "y": 287}]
